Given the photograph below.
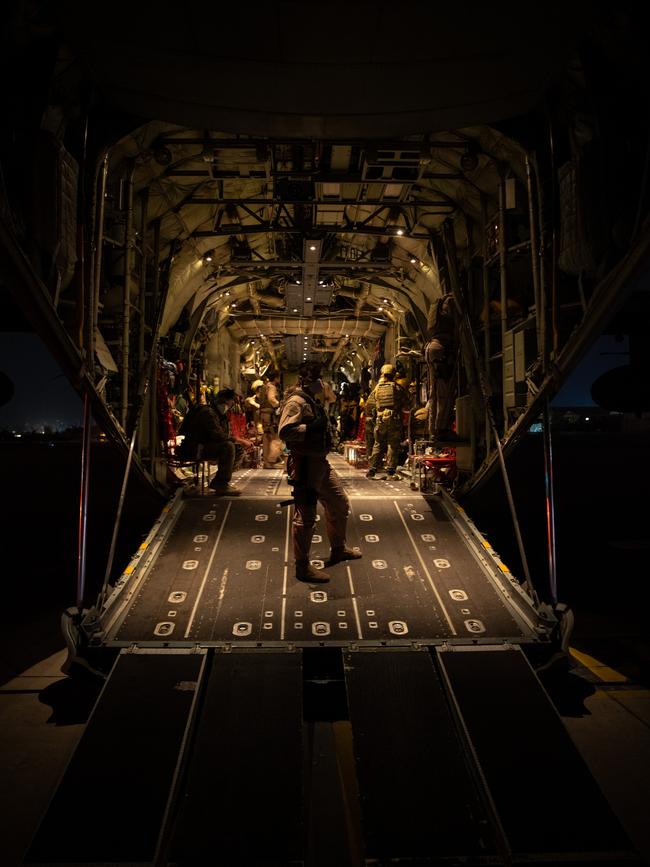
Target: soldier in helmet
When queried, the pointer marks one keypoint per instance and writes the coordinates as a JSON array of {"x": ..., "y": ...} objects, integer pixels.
[
  {"x": 304, "y": 427},
  {"x": 388, "y": 399}
]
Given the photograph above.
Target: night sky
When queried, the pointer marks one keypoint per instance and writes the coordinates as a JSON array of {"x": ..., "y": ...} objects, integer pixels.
[
  {"x": 43, "y": 396},
  {"x": 607, "y": 352}
]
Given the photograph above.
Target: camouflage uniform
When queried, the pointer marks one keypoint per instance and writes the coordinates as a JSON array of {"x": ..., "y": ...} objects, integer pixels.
[{"x": 389, "y": 399}]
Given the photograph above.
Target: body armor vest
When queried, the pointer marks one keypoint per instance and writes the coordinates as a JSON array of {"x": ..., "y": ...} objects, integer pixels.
[{"x": 385, "y": 396}]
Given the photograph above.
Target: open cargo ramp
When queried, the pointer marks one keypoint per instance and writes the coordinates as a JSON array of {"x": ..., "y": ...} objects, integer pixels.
[
  {"x": 392, "y": 716},
  {"x": 319, "y": 756}
]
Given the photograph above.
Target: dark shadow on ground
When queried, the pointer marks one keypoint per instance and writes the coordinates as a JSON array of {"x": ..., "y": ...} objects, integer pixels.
[
  {"x": 71, "y": 699},
  {"x": 567, "y": 689}
]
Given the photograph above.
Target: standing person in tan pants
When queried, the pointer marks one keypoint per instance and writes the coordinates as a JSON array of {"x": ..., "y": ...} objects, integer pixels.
[
  {"x": 388, "y": 399},
  {"x": 269, "y": 403},
  {"x": 304, "y": 427}
]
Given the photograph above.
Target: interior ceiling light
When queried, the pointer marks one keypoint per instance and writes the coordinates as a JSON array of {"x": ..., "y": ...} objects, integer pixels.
[
  {"x": 307, "y": 299},
  {"x": 312, "y": 246},
  {"x": 295, "y": 309},
  {"x": 400, "y": 231},
  {"x": 413, "y": 260}
]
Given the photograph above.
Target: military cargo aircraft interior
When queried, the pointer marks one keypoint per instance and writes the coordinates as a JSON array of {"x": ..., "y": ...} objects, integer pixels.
[{"x": 365, "y": 240}]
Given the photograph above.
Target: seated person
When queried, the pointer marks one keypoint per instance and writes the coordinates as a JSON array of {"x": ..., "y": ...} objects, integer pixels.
[
  {"x": 222, "y": 404},
  {"x": 207, "y": 427}
]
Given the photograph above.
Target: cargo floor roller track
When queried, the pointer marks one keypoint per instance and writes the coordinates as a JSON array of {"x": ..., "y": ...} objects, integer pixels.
[{"x": 217, "y": 570}]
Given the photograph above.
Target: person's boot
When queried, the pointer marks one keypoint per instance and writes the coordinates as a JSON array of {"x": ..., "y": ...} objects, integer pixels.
[
  {"x": 381, "y": 476},
  {"x": 224, "y": 490},
  {"x": 306, "y": 572},
  {"x": 370, "y": 474},
  {"x": 341, "y": 553}
]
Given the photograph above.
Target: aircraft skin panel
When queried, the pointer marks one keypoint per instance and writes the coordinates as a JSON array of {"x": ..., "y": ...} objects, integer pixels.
[{"x": 224, "y": 572}]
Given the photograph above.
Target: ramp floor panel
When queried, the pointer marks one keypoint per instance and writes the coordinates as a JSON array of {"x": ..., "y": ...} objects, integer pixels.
[
  {"x": 521, "y": 745},
  {"x": 242, "y": 801},
  {"x": 418, "y": 798},
  {"x": 225, "y": 572},
  {"x": 124, "y": 765},
  {"x": 262, "y": 483}
]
